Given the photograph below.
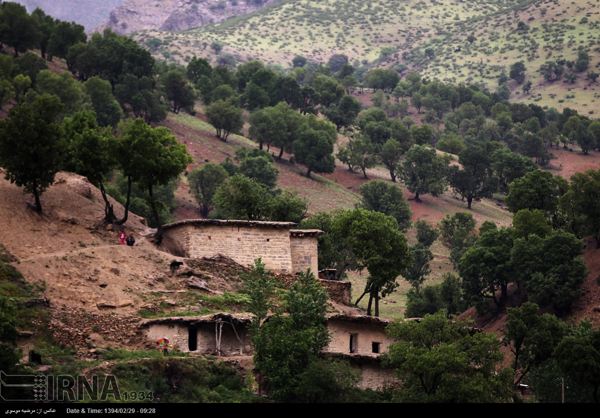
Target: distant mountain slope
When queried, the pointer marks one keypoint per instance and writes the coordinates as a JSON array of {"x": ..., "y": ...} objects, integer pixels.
[
  {"x": 481, "y": 49},
  {"x": 89, "y": 13},
  {"x": 177, "y": 15},
  {"x": 317, "y": 29}
]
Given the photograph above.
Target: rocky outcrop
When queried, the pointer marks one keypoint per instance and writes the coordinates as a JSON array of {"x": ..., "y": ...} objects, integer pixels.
[
  {"x": 89, "y": 13},
  {"x": 177, "y": 15}
]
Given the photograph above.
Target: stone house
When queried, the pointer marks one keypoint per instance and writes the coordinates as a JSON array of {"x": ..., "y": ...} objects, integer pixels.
[
  {"x": 358, "y": 339},
  {"x": 282, "y": 248},
  {"x": 221, "y": 334}
]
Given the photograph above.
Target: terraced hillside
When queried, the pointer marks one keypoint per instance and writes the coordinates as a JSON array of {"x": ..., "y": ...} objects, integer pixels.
[
  {"x": 544, "y": 30},
  {"x": 317, "y": 29}
]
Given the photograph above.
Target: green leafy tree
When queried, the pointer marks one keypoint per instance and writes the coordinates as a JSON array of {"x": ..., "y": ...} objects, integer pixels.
[
  {"x": 198, "y": 68},
  {"x": 151, "y": 157},
  {"x": 458, "y": 234},
  {"x": 204, "y": 183},
  {"x": 225, "y": 117},
  {"x": 439, "y": 360},
  {"x": 509, "y": 166},
  {"x": 140, "y": 97},
  {"x": 376, "y": 243},
  {"x": 423, "y": 171},
  {"x": 419, "y": 268},
  {"x": 70, "y": 92},
  {"x": 517, "y": 72},
  {"x": 578, "y": 357},
  {"x": 362, "y": 154},
  {"x": 380, "y": 196},
  {"x": 287, "y": 206},
  {"x": 475, "y": 179},
  {"x": 64, "y": 36},
  {"x": 287, "y": 346},
  {"x": 178, "y": 91},
  {"x": 344, "y": 112},
  {"x": 487, "y": 268},
  {"x": 111, "y": 57},
  {"x": 17, "y": 28},
  {"x": 536, "y": 190},
  {"x": 422, "y": 135},
  {"x": 383, "y": 79},
  {"x": 314, "y": 146},
  {"x": 550, "y": 269},
  {"x": 426, "y": 233},
  {"x": 528, "y": 222},
  {"x": 583, "y": 201},
  {"x": 91, "y": 153},
  {"x": 46, "y": 26},
  {"x": 328, "y": 90},
  {"x": 29, "y": 64},
  {"x": 259, "y": 168},
  {"x": 390, "y": 155},
  {"x": 239, "y": 197},
  {"x": 108, "y": 111},
  {"x": 532, "y": 337},
  {"x": 334, "y": 251},
  {"x": 32, "y": 147}
]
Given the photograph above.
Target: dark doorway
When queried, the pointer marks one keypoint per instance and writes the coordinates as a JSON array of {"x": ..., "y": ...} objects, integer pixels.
[
  {"x": 375, "y": 347},
  {"x": 354, "y": 343},
  {"x": 192, "y": 339}
]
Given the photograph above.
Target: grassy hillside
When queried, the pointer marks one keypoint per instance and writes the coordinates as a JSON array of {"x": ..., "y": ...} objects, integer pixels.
[
  {"x": 555, "y": 30},
  {"x": 450, "y": 40},
  {"x": 361, "y": 30}
]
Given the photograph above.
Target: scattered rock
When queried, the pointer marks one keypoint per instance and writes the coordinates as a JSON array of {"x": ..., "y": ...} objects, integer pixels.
[
  {"x": 124, "y": 303},
  {"x": 115, "y": 271},
  {"x": 106, "y": 305},
  {"x": 196, "y": 283}
]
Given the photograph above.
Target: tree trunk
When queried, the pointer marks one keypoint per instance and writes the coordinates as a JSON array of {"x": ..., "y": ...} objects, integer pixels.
[
  {"x": 308, "y": 173},
  {"x": 126, "y": 215},
  {"x": 158, "y": 236},
  {"x": 109, "y": 213},
  {"x": 36, "y": 196},
  {"x": 417, "y": 198},
  {"x": 364, "y": 170},
  {"x": 370, "y": 304},
  {"x": 469, "y": 201},
  {"x": 280, "y": 154},
  {"x": 204, "y": 210},
  {"x": 377, "y": 305},
  {"x": 393, "y": 175}
]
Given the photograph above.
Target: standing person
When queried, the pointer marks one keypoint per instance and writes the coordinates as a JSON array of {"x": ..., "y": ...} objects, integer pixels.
[{"x": 122, "y": 237}]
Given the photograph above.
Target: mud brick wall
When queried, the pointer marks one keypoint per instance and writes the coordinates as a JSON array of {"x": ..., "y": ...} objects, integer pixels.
[
  {"x": 339, "y": 291},
  {"x": 305, "y": 254},
  {"x": 340, "y": 332},
  {"x": 177, "y": 334},
  {"x": 241, "y": 244}
]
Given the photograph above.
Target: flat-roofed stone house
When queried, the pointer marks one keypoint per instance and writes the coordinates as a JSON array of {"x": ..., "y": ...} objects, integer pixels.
[{"x": 282, "y": 248}]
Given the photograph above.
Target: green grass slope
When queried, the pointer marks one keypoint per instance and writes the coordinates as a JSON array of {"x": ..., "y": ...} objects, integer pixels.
[{"x": 556, "y": 30}]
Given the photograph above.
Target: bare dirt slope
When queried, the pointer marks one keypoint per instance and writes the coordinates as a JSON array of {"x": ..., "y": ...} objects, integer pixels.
[{"x": 95, "y": 287}]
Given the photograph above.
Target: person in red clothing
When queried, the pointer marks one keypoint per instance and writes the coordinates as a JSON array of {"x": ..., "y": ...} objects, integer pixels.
[{"x": 122, "y": 237}]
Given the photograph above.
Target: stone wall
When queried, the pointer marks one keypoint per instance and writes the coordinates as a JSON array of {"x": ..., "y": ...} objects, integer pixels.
[
  {"x": 338, "y": 290},
  {"x": 177, "y": 334},
  {"x": 241, "y": 244},
  {"x": 305, "y": 253},
  {"x": 340, "y": 331}
]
